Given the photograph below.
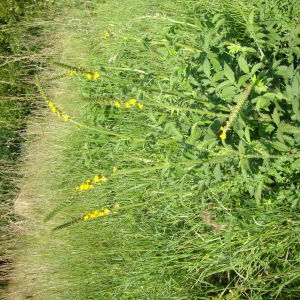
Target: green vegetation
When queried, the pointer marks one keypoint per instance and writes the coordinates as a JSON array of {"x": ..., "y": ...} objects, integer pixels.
[{"x": 180, "y": 179}]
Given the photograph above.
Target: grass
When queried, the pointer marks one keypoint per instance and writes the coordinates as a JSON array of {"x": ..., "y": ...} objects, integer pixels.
[{"x": 189, "y": 213}]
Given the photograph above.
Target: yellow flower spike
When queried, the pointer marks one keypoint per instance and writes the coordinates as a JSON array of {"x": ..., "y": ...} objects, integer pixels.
[
  {"x": 140, "y": 105},
  {"x": 127, "y": 104},
  {"x": 114, "y": 169},
  {"x": 223, "y": 136},
  {"x": 117, "y": 104},
  {"x": 132, "y": 101},
  {"x": 96, "y": 75}
]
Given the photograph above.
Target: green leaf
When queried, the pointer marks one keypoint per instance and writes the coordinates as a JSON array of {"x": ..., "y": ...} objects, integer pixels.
[
  {"x": 255, "y": 68},
  {"x": 243, "y": 79},
  {"x": 223, "y": 85},
  {"x": 229, "y": 92},
  {"x": 170, "y": 128},
  {"x": 243, "y": 64},
  {"x": 279, "y": 135},
  {"x": 206, "y": 68},
  {"x": 216, "y": 64},
  {"x": 247, "y": 134},
  {"x": 195, "y": 134},
  {"x": 257, "y": 194},
  {"x": 218, "y": 76},
  {"x": 280, "y": 146},
  {"x": 275, "y": 116},
  {"x": 216, "y": 18},
  {"x": 296, "y": 164},
  {"x": 220, "y": 22},
  {"x": 289, "y": 128},
  {"x": 217, "y": 172},
  {"x": 229, "y": 73},
  {"x": 251, "y": 18},
  {"x": 242, "y": 147}
]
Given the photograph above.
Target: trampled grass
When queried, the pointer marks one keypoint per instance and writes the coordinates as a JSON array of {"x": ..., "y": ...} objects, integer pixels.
[{"x": 142, "y": 195}]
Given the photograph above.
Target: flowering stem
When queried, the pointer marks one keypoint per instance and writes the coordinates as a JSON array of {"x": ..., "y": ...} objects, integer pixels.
[{"x": 120, "y": 135}]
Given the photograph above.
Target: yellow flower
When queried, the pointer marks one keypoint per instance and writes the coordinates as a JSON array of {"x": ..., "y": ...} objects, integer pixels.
[
  {"x": 103, "y": 179},
  {"x": 89, "y": 76},
  {"x": 54, "y": 109},
  {"x": 96, "y": 75},
  {"x": 223, "y": 136},
  {"x": 66, "y": 118},
  {"x": 106, "y": 34},
  {"x": 106, "y": 211},
  {"x": 117, "y": 104},
  {"x": 222, "y": 128},
  {"x": 132, "y": 101},
  {"x": 127, "y": 104},
  {"x": 96, "y": 178},
  {"x": 140, "y": 105},
  {"x": 50, "y": 104},
  {"x": 114, "y": 169},
  {"x": 71, "y": 73}
]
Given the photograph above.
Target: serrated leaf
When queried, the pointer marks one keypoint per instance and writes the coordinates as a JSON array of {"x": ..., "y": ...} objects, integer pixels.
[
  {"x": 243, "y": 79},
  {"x": 275, "y": 116},
  {"x": 279, "y": 135},
  {"x": 206, "y": 68},
  {"x": 223, "y": 85},
  {"x": 216, "y": 64},
  {"x": 257, "y": 194},
  {"x": 241, "y": 147},
  {"x": 296, "y": 164},
  {"x": 255, "y": 68},
  {"x": 218, "y": 76},
  {"x": 260, "y": 35},
  {"x": 251, "y": 18},
  {"x": 217, "y": 172},
  {"x": 243, "y": 64},
  {"x": 247, "y": 134},
  {"x": 280, "y": 146},
  {"x": 172, "y": 130},
  {"x": 195, "y": 134},
  {"x": 229, "y": 73},
  {"x": 229, "y": 92},
  {"x": 289, "y": 128}
]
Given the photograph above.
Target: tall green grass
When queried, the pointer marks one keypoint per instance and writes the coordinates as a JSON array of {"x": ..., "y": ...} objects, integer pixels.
[{"x": 202, "y": 189}]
